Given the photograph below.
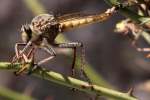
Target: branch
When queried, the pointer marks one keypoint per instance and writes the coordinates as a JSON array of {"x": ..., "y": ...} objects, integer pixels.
[
  {"x": 70, "y": 82},
  {"x": 11, "y": 95}
]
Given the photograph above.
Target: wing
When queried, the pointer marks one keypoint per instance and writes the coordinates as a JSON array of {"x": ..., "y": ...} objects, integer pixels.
[{"x": 72, "y": 16}]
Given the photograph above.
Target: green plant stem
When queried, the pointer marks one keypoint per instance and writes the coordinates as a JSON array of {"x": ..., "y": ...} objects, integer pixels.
[
  {"x": 70, "y": 82},
  {"x": 11, "y": 95},
  {"x": 35, "y": 6}
]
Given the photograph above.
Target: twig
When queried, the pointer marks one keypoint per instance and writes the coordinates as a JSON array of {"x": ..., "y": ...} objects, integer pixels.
[
  {"x": 11, "y": 95},
  {"x": 71, "y": 82}
]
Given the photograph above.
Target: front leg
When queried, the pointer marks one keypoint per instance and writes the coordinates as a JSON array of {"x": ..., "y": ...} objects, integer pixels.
[
  {"x": 19, "y": 55},
  {"x": 25, "y": 59},
  {"x": 51, "y": 53},
  {"x": 16, "y": 57},
  {"x": 30, "y": 56}
]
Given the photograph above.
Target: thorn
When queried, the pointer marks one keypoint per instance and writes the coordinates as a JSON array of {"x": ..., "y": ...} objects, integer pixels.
[
  {"x": 130, "y": 92},
  {"x": 74, "y": 89}
]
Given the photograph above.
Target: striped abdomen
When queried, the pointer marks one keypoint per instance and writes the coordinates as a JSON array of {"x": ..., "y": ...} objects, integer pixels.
[{"x": 84, "y": 20}]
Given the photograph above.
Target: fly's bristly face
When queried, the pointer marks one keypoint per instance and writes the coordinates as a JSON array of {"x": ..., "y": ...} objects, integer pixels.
[{"x": 26, "y": 33}]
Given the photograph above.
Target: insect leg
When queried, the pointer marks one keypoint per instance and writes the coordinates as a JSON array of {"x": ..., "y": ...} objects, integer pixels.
[
  {"x": 30, "y": 57},
  {"x": 31, "y": 53},
  {"x": 18, "y": 55},
  {"x": 50, "y": 51},
  {"x": 25, "y": 59},
  {"x": 72, "y": 45},
  {"x": 17, "y": 51},
  {"x": 23, "y": 67}
]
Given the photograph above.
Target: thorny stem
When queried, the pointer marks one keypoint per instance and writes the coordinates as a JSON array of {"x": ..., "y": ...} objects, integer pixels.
[
  {"x": 70, "y": 82},
  {"x": 134, "y": 17}
]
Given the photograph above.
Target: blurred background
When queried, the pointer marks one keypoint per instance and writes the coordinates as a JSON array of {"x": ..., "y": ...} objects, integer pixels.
[{"x": 110, "y": 54}]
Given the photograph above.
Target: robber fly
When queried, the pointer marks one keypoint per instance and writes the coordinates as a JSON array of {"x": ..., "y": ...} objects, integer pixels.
[{"x": 44, "y": 28}]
